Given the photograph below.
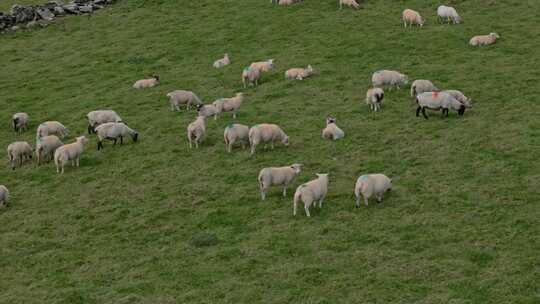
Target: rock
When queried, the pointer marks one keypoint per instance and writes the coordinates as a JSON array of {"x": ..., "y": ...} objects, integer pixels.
[
  {"x": 45, "y": 14},
  {"x": 15, "y": 28},
  {"x": 71, "y": 8},
  {"x": 23, "y": 14},
  {"x": 59, "y": 11},
  {"x": 86, "y": 9}
]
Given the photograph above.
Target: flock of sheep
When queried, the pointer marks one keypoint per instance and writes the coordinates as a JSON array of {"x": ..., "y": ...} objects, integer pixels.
[{"x": 108, "y": 125}]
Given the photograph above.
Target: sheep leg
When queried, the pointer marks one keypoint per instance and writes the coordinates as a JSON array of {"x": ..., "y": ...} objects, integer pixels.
[
  {"x": 285, "y": 191},
  {"x": 121, "y": 140},
  {"x": 379, "y": 198},
  {"x": 365, "y": 200},
  {"x": 252, "y": 149},
  {"x": 295, "y": 203},
  {"x": 100, "y": 145},
  {"x": 418, "y": 111},
  {"x": 77, "y": 161},
  {"x": 272, "y": 144},
  {"x": 234, "y": 115},
  {"x": 320, "y": 202},
  {"x": 306, "y": 208},
  {"x": 114, "y": 141},
  {"x": 357, "y": 203},
  {"x": 424, "y": 112}
]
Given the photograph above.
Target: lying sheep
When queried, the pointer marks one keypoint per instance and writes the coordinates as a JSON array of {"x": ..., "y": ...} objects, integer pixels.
[
  {"x": 46, "y": 146},
  {"x": 448, "y": 14},
  {"x": 222, "y": 62},
  {"x": 113, "y": 131},
  {"x": 69, "y": 152},
  {"x": 208, "y": 110},
  {"x": 437, "y": 101},
  {"x": 265, "y": 133},
  {"x": 229, "y": 104},
  {"x": 263, "y": 66},
  {"x": 234, "y": 133},
  {"x": 351, "y": 3},
  {"x": 19, "y": 122},
  {"x": 374, "y": 98},
  {"x": 484, "y": 39},
  {"x": 146, "y": 83},
  {"x": 311, "y": 192},
  {"x": 332, "y": 131},
  {"x": 251, "y": 76},
  {"x": 96, "y": 118},
  {"x": 277, "y": 176},
  {"x": 420, "y": 86},
  {"x": 369, "y": 185},
  {"x": 196, "y": 131},
  {"x": 51, "y": 128},
  {"x": 178, "y": 97},
  {"x": 389, "y": 78},
  {"x": 4, "y": 195},
  {"x": 412, "y": 17},
  {"x": 17, "y": 152},
  {"x": 466, "y": 101},
  {"x": 299, "y": 73}
]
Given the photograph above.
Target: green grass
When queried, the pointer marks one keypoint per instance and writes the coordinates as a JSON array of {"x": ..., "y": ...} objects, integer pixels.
[
  {"x": 460, "y": 226},
  {"x": 5, "y": 5}
]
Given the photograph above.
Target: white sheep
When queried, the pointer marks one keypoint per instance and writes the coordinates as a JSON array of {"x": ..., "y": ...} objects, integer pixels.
[
  {"x": 251, "y": 76},
  {"x": 113, "y": 131},
  {"x": 374, "y": 98},
  {"x": 46, "y": 146},
  {"x": 369, "y": 185},
  {"x": 229, "y": 104},
  {"x": 264, "y": 133},
  {"x": 288, "y": 2},
  {"x": 69, "y": 152},
  {"x": 222, "y": 61},
  {"x": 460, "y": 97},
  {"x": 234, "y": 133},
  {"x": 263, "y": 66},
  {"x": 208, "y": 110},
  {"x": 299, "y": 73},
  {"x": 351, "y": 3},
  {"x": 96, "y": 118},
  {"x": 448, "y": 14},
  {"x": 311, "y": 192},
  {"x": 484, "y": 39},
  {"x": 17, "y": 152},
  {"x": 19, "y": 122},
  {"x": 4, "y": 195},
  {"x": 389, "y": 78},
  {"x": 146, "y": 83},
  {"x": 277, "y": 176},
  {"x": 332, "y": 131},
  {"x": 420, "y": 86},
  {"x": 412, "y": 17},
  {"x": 196, "y": 131},
  {"x": 438, "y": 101},
  {"x": 178, "y": 97},
  {"x": 51, "y": 128}
]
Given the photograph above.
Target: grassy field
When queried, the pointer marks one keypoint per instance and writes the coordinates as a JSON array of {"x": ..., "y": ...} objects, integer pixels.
[
  {"x": 460, "y": 226},
  {"x": 5, "y": 5}
]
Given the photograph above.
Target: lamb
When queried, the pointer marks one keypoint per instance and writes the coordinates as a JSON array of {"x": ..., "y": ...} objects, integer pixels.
[
  {"x": 147, "y": 83},
  {"x": 420, "y": 86},
  {"x": 436, "y": 101},
  {"x": 412, "y": 17},
  {"x": 466, "y": 101},
  {"x": 263, "y": 66},
  {"x": 351, "y": 3},
  {"x": 19, "y": 122},
  {"x": 18, "y": 152},
  {"x": 374, "y": 98},
  {"x": 278, "y": 176},
  {"x": 96, "y": 118},
  {"x": 113, "y": 131},
  {"x": 4, "y": 195},
  {"x": 332, "y": 131},
  {"x": 234, "y": 133},
  {"x": 311, "y": 192},
  {"x": 51, "y": 128},
  {"x": 448, "y": 13},
  {"x": 196, "y": 131},
  {"x": 46, "y": 146},
  {"x": 183, "y": 97},
  {"x": 369, "y": 185},
  {"x": 222, "y": 62},
  {"x": 484, "y": 39},
  {"x": 251, "y": 76},
  {"x": 299, "y": 73},
  {"x": 208, "y": 110},
  {"x": 69, "y": 152},
  {"x": 389, "y": 78},
  {"x": 265, "y": 133},
  {"x": 229, "y": 104}
]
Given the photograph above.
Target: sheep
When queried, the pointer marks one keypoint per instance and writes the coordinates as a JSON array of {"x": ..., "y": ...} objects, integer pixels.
[
  {"x": 208, "y": 110},
  {"x": 18, "y": 152},
  {"x": 51, "y": 128},
  {"x": 46, "y": 146},
  {"x": 420, "y": 86},
  {"x": 263, "y": 66},
  {"x": 332, "y": 131},
  {"x": 299, "y": 73},
  {"x": 288, "y": 2},
  {"x": 69, "y": 152},
  {"x": 264, "y": 133},
  {"x": 277, "y": 176},
  {"x": 251, "y": 76},
  {"x": 96, "y": 118},
  {"x": 369, "y": 185},
  {"x": 234, "y": 133},
  {"x": 412, "y": 18},
  {"x": 183, "y": 97},
  {"x": 448, "y": 13},
  {"x": 351, "y": 3},
  {"x": 19, "y": 122},
  {"x": 484, "y": 39},
  {"x": 437, "y": 101},
  {"x": 222, "y": 61},
  {"x": 389, "y": 78},
  {"x": 147, "y": 83},
  {"x": 4, "y": 195},
  {"x": 311, "y": 192},
  {"x": 113, "y": 131},
  {"x": 466, "y": 101},
  {"x": 229, "y": 104},
  {"x": 196, "y": 131},
  {"x": 374, "y": 98}
]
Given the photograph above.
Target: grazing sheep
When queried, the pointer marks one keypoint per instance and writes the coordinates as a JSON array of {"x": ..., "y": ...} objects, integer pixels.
[
  {"x": 299, "y": 73},
  {"x": 288, "y": 2},
  {"x": 208, "y": 110},
  {"x": 369, "y": 185},
  {"x": 96, "y": 118},
  {"x": 374, "y": 98},
  {"x": 460, "y": 97},
  {"x": 19, "y": 122},
  {"x": 448, "y": 14},
  {"x": 351, "y": 3},
  {"x": 51, "y": 128},
  {"x": 222, "y": 62},
  {"x": 113, "y": 131},
  {"x": 277, "y": 176},
  {"x": 251, "y": 76},
  {"x": 146, "y": 83},
  {"x": 389, "y": 78},
  {"x": 332, "y": 131},
  {"x": 264, "y": 133},
  {"x": 412, "y": 17},
  {"x": 46, "y": 146},
  {"x": 437, "y": 101},
  {"x": 311, "y": 192},
  {"x": 229, "y": 104},
  {"x": 234, "y": 133},
  {"x": 18, "y": 152},
  {"x": 4, "y": 195},
  {"x": 196, "y": 131},
  {"x": 484, "y": 39},
  {"x": 69, "y": 152},
  {"x": 178, "y": 97},
  {"x": 420, "y": 86},
  {"x": 263, "y": 66}
]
